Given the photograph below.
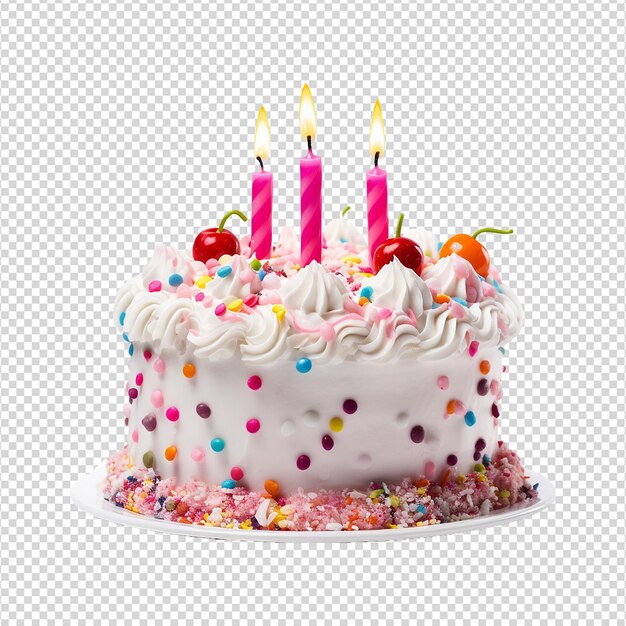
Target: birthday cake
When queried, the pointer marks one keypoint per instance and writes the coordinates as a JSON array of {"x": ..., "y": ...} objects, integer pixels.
[{"x": 336, "y": 395}]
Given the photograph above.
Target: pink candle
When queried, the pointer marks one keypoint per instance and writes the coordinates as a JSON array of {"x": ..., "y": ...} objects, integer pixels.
[
  {"x": 261, "y": 240},
  {"x": 262, "y": 191},
  {"x": 310, "y": 185},
  {"x": 311, "y": 208},
  {"x": 377, "y": 215}
]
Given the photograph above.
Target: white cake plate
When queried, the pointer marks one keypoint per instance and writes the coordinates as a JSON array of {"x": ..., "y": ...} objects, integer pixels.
[{"x": 87, "y": 495}]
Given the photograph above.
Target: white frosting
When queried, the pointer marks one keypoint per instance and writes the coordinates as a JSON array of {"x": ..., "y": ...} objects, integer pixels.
[
  {"x": 322, "y": 317},
  {"x": 342, "y": 231},
  {"x": 314, "y": 290},
  {"x": 399, "y": 288},
  {"x": 455, "y": 277},
  {"x": 426, "y": 241}
]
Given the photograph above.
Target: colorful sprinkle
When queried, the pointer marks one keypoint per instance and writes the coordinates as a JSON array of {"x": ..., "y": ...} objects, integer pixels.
[
  {"x": 197, "y": 454},
  {"x": 485, "y": 367},
  {"x": 175, "y": 279},
  {"x": 236, "y": 473},
  {"x": 253, "y": 425},
  {"x": 255, "y": 264},
  {"x": 148, "y": 459},
  {"x": 452, "y": 460},
  {"x": 159, "y": 366},
  {"x": 170, "y": 453},
  {"x": 156, "y": 397},
  {"x": 251, "y": 300},
  {"x": 480, "y": 468},
  {"x": 224, "y": 271},
  {"x": 125, "y": 337},
  {"x": 229, "y": 483},
  {"x": 480, "y": 444},
  {"x": 122, "y": 318},
  {"x": 255, "y": 382},
  {"x": 280, "y": 311},
  {"x": 476, "y": 455},
  {"x": 363, "y": 301},
  {"x": 149, "y": 422},
  {"x": 443, "y": 382},
  {"x": 189, "y": 370},
  {"x": 303, "y": 462},
  {"x": 172, "y": 414},
  {"x": 217, "y": 444},
  {"x": 327, "y": 442},
  {"x": 336, "y": 424},
  {"x": 450, "y": 407},
  {"x": 385, "y": 313},
  {"x": 350, "y": 406},
  {"x": 220, "y": 309},
  {"x": 429, "y": 469},
  {"x": 442, "y": 298},
  {"x": 235, "y": 305},
  {"x": 417, "y": 434},
  {"x": 470, "y": 418},
  {"x": 473, "y": 348},
  {"x": 367, "y": 292},
  {"x": 135, "y": 435},
  {"x": 203, "y": 410},
  {"x": 133, "y": 393},
  {"x": 486, "y": 460},
  {"x": 154, "y": 285},
  {"x": 202, "y": 281},
  {"x": 147, "y": 355},
  {"x": 494, "y": 387},
  {"x": 272, "y": 487},
  {"x": 495, "y": 411},
  {"x": 139, "y": 379},
  {"x": 199, "y": 297},
  {"x": 461, "y": 301},
  {"x": 483, "y": 387},
  {"x": 131, "y": 349},
  {"x": 304, "y": 365}
]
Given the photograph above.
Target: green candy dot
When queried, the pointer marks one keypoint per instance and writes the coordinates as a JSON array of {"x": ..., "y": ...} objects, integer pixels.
[
  {"x": 148, "y": 459},
  {"x": 256, "y": 265}
]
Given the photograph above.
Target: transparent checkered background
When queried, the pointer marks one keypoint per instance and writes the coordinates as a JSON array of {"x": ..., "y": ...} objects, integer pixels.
[{"x": 123, "y": 124}]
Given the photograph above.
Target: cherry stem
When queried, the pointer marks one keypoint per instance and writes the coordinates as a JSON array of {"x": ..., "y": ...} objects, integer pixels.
[
  {"x": 399, "y": 225},
  {"x": 220, "y": 228},
  {"x": 498, "y": 231},
  {"x": 343, "y": 213}
]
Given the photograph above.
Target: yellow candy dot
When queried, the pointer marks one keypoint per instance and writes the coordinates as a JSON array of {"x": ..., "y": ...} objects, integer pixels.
[
  {"x": 235, "y": 305},
  {"x": 279, "y": 310},
  {"x": 189, "y": 370},
  {"x": 202, "y": 281},
  {"x": 225, "y": 259},
  {"x": 170, "y": 453},
  {"x": 336, "y": 424}
]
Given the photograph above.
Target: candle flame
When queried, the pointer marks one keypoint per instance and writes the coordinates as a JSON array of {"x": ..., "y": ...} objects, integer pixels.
[
  {"x": 308, "y": 114},
  {"x": 262, "y": 136},
  {"x": 377, "y": 130}
]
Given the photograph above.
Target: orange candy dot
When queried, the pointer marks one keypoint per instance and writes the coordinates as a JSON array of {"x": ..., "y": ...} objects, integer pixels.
[
  {"x": 170, "y": 453},
  {"x": 450, "y": 407},
  {"x": 442, "y": 298},
  {"x": 272, "y": 487},
  {"x": 485, "y": 367},
  {"x": 189, "y": 370}
]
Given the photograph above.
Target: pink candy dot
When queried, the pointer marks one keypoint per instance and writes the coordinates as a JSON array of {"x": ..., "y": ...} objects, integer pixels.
[
  {"x": 253, "y": 425},
  {"x": 254, "y": 382},
  {"x": 197, "y": 454},
  {"x": 155, "y": 285},
  {"x": 139, "y": 379},
  {"x": 156, "y": 397},
  {"x": 126, "y": 410},
  {"x": 199, "y": 297},
  {"x": 494, "y": 387},
  {"x": 473, "y": 348},
  {"x": 147, "y": 355},
  {"x": 236, "y": 473},
  {"x": 251, "y": 300},
  {"x": 443, "y": 382},
  {"x": 135, "y": 435},
  {"x": 159, "y": 366},
  {"x": 172, "y": 414},
  {"x": 429, "y": 470},
  {"x": 220, "y": 309},
  {"x": 385, "y": 313}
]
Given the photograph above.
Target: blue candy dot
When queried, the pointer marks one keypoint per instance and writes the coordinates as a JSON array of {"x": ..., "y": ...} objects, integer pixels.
[
  {"x": 367, "y": 292},
  {"x": 304, "y": 365},
  {"x": 131, "y": 349},
  {"x": 125, "y": 337},
  {"x": 495, "y": 284},
  {"x": 486, "y": 460},
  {"x": 421, "y": 509},
  {"x": 217, "y": 444},
  {"x": 502, "y": 350},
  {"x": 536, "y": 487},
  {"x": 175, "y": 280},
  {"x": 224, "y": 271},
  {"x": 439, "y": 246},
  {"x": 122, "y": 318},
  {"x": 470, "y": 418},
  {"x": 460, "y": 301},
  {"x": 435, "y": 305},
  {"x": 229, "y": 483},
  {"x": 262, "y": 274},
  {"x": 343, "y": 240}
]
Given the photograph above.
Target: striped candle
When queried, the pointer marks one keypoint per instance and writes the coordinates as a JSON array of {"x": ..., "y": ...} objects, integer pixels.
[
  {"x": 311, "y": 208},
  {"x": 262, "y": 189}
]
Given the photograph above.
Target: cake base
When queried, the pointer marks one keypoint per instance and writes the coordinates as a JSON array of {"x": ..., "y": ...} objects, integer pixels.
[{"x": 87, "y": 495}]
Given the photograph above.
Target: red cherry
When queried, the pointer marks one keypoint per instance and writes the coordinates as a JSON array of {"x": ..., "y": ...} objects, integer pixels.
[
  {"x": 404, "y": 249},
  {"x": 212, "y": 243}
]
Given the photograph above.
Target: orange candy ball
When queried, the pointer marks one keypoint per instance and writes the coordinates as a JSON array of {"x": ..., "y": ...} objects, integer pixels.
[
  {"x": 272, "y": 487},
  {"x": 485, "y": 367},
  {"x": 189, "y": 370},
  {"x": 470, "y": 249},
  {"x": 170, "y": 453}
]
